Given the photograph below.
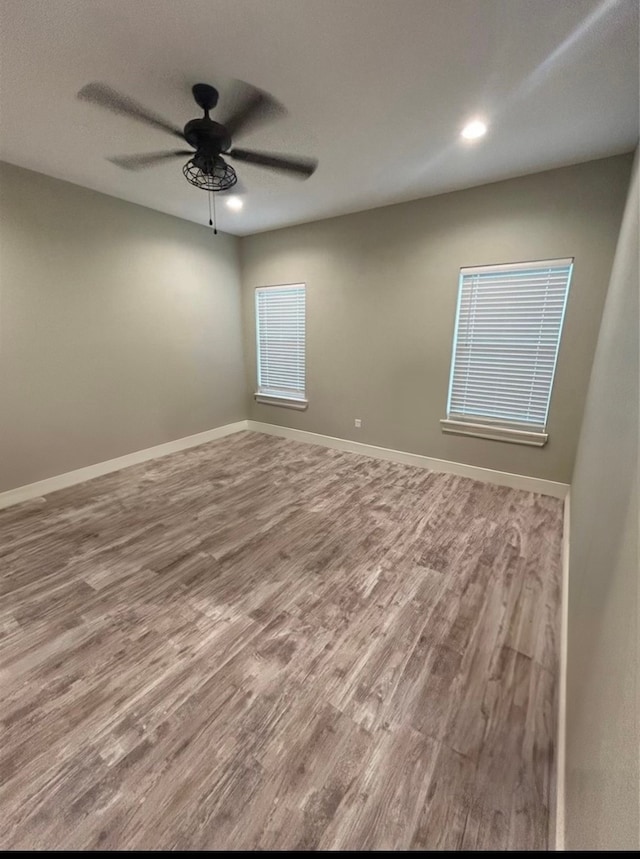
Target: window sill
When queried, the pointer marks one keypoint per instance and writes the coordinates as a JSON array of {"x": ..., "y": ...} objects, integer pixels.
[
  {"x": 494, "y": 432},
  {"x": 284, "y": 401}
]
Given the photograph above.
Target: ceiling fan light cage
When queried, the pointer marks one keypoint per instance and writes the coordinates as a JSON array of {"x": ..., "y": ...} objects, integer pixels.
[{"x": 210, "y": 174}]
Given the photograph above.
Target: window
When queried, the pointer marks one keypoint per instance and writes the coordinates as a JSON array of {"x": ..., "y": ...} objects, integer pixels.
[
  {"x": 280, "y": 342},
  {"x": 507, "y": 333}
]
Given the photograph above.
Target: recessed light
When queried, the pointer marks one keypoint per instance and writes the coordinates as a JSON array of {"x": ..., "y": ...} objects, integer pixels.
[
  {"x": 234, "y": 203},
  {"x": 474, "y": 129}
]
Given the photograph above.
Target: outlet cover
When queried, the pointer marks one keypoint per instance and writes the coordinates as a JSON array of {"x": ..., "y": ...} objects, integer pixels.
[{"x": 358, "y": 423}]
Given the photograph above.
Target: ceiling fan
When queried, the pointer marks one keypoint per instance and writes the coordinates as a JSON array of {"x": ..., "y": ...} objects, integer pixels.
[{"x": 210, "y": 140}]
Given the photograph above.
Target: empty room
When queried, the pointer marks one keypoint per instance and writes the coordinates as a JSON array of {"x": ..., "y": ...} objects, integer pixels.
[{"x": 319, "y": 425}]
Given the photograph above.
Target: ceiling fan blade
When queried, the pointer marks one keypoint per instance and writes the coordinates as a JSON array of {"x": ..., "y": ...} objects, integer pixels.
[
  {"x": 249, "y": 107},
  {"x": 139, "y": 162},
  {"x": 105, "y": 96},
  {"x": 301, "y": 167}
]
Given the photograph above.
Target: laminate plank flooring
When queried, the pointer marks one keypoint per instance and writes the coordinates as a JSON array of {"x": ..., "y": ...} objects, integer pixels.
[{"x": 263, "y": 644}]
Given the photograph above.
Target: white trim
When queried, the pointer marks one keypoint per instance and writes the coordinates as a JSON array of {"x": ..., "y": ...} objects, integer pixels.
[
  {"x": 488, "y": 475},
  {"x": 281, "y": 400},
  {"x": 557, "y": 836},
  {"x": 494, "y": 432},
  {"x": 70, "y": 478}
]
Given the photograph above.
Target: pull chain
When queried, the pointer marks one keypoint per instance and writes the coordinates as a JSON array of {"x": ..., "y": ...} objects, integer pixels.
[{"x": 212, "y": 212}]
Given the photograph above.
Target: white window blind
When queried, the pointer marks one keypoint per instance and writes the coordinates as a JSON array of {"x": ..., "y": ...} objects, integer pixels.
[
  {"x": 280, "y": 333},
  {"x": 507, "y": 334}
]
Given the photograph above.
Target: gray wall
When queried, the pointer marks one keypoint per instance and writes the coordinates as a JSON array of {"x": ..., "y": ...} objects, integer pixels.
[
  {"x": 381, "y": 296},
  {"x": 119, "y": 328},
  {"x": 602, "y": 772}
]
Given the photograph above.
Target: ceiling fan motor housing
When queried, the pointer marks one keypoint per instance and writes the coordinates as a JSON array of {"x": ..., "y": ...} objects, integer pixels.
[
  {"x": 207, "y": 169},
  {"x": 207, "y": 135}
]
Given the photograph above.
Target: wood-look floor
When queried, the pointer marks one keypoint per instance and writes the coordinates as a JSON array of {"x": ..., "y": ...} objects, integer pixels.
[{"x": 264, "y": 644}]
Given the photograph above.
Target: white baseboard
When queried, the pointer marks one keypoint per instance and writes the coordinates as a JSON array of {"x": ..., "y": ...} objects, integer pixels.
[
  {"x": 488, "y": 475},
  {"x": 561, "y": 745},
  {"x": 70, "y": 478}
]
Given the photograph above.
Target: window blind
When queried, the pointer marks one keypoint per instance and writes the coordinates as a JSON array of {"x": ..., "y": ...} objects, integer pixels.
[
  {"x": 507, "y": 334},
  {"x": 280, "y": 333}
]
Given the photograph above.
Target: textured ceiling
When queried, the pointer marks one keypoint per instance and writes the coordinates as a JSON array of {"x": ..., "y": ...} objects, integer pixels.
[{"x": 376, "y": 89}]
